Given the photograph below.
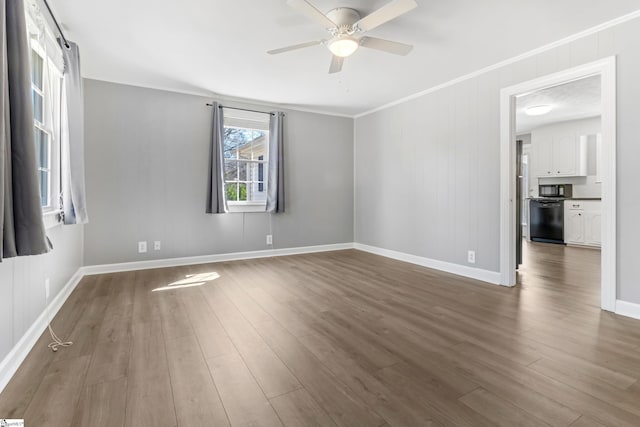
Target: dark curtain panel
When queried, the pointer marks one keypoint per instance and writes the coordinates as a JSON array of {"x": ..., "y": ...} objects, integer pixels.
[
  {"x": 23, "y": 230},
  {"x": 216, "y": 200},
  {"x": 275, "y": 176},
  {"x": 74, "y": 204}
]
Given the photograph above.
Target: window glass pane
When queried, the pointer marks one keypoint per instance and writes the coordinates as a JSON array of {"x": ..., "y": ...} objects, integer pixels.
[
  {"x": 250, "y": 172},
  {"x": 244, "y": 171},
  {"x": 36, "y": 69},
  {"x": 244, "y": 149},
  {"x": 246, "y": 143},
  {"x": 259, "y": 144},
  {"x": 228, "y": 153},
  {"x": 38, "y": 108},
  {"x": 230, "y": 170},
  {"x": 242, "y": 192},
  {"x": 255, "y": 191},
  {"x": 231, "y": 190},
  {"x": 244, "y": 152},
  {"x": 42, "y": 148},
  {"x": 44, "y": 188},
  {"x": 233, "y": 139}
]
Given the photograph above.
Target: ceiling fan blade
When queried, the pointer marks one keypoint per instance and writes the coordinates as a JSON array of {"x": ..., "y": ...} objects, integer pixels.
[
  {"x": 385, "y": 14},
  {"x": 336, "y": 64},
  {"x": 386, "y": 45},
  {"x": 308, "y": 9},
  {"x": 294, "y": 47}
]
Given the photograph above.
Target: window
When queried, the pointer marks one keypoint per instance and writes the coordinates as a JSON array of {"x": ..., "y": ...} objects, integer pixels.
[
  {"x": 246, "y": 143},
  {"x": 43, "y": 137},
  {"x": 46, "y": 85}
]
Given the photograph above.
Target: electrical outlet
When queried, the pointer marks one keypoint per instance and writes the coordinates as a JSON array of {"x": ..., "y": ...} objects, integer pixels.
[
  {"x": 46, "y": 288},
  {"x": 156, "y": 245},
  {"x": 471, "y": 257},
  {"x": 142, "y": 247},
  {"x": 269, "y": 239}
]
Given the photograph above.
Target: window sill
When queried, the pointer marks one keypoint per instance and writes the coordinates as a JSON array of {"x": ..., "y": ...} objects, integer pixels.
[
  {"x": 244, "y": 207},
  {"x": 52, "y": 219}
]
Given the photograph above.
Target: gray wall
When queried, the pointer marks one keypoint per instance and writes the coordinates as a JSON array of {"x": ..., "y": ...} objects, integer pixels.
[
  {"x": 146, "y": 163},
  {"x": 427, "y": 170},
  {"x": 22, "y": 283}
]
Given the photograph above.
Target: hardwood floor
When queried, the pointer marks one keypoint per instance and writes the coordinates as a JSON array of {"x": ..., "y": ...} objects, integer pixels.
[{"x": 336, "y": 339}]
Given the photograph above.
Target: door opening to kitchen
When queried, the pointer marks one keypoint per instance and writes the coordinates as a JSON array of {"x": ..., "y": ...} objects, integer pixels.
[{"x": 559, "y": 190}]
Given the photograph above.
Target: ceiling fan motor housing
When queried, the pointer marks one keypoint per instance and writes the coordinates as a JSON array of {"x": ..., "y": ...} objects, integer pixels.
[{"x": 344, "y": 18}]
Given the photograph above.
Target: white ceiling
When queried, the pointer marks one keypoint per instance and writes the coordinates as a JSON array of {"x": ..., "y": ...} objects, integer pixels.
[
  {"x": 218, "y": 47},
  {"x": 571, "y": 101}
]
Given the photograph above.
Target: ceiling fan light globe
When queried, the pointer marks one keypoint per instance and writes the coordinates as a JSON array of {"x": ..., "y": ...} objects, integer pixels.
[{"x": 343, "y": 46}]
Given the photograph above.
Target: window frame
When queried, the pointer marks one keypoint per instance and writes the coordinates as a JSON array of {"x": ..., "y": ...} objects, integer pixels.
[
  {"x": 51, "y": 93},
  {"x": 243, "y": 206}
]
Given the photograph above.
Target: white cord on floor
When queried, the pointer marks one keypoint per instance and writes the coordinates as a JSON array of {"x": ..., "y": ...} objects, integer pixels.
[{"x": 57, "y": 342}]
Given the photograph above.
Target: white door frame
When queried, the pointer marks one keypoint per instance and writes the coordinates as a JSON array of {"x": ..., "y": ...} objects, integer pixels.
[{"x": 606, "y": 68}]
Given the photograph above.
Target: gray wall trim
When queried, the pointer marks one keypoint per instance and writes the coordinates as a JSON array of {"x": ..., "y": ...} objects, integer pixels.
[
  {"x": 235, "y": 100},
  {"x": 207, "y": 259},
  {"x": 537, "y": 51}
]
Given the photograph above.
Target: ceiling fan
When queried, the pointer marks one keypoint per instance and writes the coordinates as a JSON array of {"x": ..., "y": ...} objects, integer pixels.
[{"x": 346, "y": 26}]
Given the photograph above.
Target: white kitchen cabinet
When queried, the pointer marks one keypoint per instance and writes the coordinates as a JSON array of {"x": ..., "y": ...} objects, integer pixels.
[
  {"x": 567, "y": 154},
  {"x": 582, "y": 222},
  {"x": 542, "y": 157},
  {"x": 593, "y": 228},
  {"x": 559, "y": 155},
  {"x": 574, "y": 227}
]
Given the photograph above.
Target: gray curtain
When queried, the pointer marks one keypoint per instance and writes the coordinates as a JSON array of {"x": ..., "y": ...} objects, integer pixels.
[
  {"x": 22, "y": 229},
  {"x": 74, "y": 204},
  {"x": 275, "y": 176},
  {"x": 216, "y": 200}
]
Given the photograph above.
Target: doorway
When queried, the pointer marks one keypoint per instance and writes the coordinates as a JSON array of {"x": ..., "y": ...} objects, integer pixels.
[{"x": 512, "y": 205}]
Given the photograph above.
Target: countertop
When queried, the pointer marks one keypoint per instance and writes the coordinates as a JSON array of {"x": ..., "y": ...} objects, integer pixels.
[{"x": 563, "y": 198}]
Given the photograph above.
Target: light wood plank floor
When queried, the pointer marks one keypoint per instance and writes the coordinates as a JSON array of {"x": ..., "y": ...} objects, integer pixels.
[{"x": 336, "y": 339}]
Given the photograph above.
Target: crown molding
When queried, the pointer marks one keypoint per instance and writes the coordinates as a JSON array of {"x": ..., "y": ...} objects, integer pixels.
[{"x": 590, "y": 31}]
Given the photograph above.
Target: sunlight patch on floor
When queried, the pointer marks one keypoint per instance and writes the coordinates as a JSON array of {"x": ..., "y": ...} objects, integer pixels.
[{"x": 190, "y": 281}]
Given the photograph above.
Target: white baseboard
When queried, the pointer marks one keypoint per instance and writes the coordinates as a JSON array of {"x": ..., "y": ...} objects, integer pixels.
[
  {"x": 461, "y": 270},
  {"x": 205, "y": 259},
  {"x": 628, "y": 309},
  {"x": 21, "y": 349}
]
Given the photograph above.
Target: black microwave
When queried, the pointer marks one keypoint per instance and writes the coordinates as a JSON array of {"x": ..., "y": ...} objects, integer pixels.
[{"x": 555, "y": 190}]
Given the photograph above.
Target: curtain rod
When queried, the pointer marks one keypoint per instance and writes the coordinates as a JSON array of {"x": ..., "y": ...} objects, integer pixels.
[
  {"x": 242, "y": 109},
  {"x": 55, "y": 21}
]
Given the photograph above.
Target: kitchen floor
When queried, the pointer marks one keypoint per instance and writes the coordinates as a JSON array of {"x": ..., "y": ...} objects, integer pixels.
[{"x": 563, "y": 271}]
